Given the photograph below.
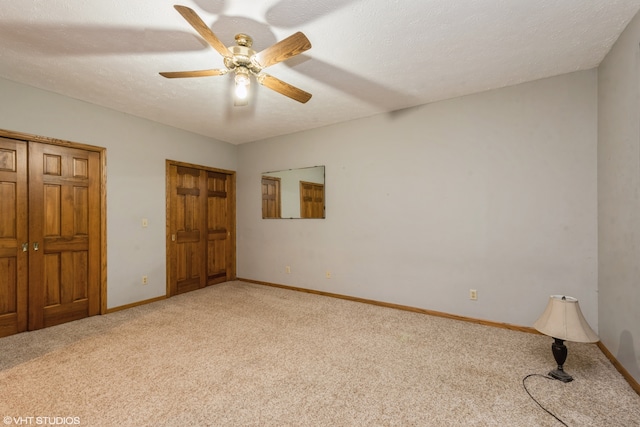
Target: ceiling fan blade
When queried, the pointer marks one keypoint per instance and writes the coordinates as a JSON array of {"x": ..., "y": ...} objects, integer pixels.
[
  {"x": 284, "y": 88},
  {"x": 202, "y": 29},
  {"x": 199, "y": 73},
  {"x": 284, "y": 49}
]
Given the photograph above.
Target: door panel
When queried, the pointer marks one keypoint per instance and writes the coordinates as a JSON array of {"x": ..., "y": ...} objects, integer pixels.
[
  {"x": 13, "y": 234},
  {"x": 64, "y": 225},
  {"x": 217, "y": 226},
  {"x": 187, "y": 206}
]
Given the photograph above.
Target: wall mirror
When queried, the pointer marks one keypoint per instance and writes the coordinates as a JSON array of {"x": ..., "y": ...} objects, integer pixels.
[{"x": 293, "y": 193}]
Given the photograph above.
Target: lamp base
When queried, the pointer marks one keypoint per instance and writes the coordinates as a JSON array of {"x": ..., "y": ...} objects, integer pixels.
[{"x": 561, "y": 375}]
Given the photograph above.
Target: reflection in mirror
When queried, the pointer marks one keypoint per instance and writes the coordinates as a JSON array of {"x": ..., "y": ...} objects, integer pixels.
[{"x": 293, "y": 193}]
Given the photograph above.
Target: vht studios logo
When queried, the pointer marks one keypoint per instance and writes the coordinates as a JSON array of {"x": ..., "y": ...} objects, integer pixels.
[{"x": 46, "y": 421}]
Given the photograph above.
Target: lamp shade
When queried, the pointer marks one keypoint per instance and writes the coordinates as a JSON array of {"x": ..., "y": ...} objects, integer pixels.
[{"x": 563, "y": 319}]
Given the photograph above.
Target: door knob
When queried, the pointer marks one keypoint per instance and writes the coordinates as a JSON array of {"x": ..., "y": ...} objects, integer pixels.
[
  {"x": 25, "y": 247},
  {"x": 35, "y": 246}
]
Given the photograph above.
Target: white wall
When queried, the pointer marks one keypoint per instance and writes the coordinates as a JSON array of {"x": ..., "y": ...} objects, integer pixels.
[
  {"x": 136, "y": 153},
  {"x": 619, "y": 199},
  {"x": 494, "y": 191}
]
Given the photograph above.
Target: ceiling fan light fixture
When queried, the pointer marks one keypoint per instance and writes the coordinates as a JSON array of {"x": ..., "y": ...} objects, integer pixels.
[
  {"x": 242, "y": 77},
  {"x": 241, "y": 91},
  {"x": 243, "y": 82}
]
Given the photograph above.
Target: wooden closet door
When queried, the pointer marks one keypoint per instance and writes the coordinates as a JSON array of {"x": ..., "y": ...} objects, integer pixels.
[
  {"x": 64, "y": 227},
  {"x": 188, "y": 228},
  {"x": 13, "y": 235},
  {"x": 201, "y": 227},
  {"x": 219, "y": 258}
]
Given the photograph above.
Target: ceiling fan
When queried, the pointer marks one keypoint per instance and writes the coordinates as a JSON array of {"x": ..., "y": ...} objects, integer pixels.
[{"x": 245, "y": 62}]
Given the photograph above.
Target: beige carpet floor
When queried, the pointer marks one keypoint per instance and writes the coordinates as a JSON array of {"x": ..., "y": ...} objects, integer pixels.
[{"x": 240, "y": 354}]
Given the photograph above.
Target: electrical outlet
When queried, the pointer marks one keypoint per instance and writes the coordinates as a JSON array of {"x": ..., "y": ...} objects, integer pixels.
[
  {"x": 473, "y": 294},
  {"x": 144, "y": 280},
  {"x": 328, "y": 274},
  {"x": 287, "y": 269}
]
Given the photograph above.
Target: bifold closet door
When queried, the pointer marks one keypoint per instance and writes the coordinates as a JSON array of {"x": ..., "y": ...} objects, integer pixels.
[
  {"x": 64, "y": 234},
  {"x": 201, "y": 219},
  {"x": 187, "y": 225},
  {"x": 13, "y": 236},
  {"x": 220, "y": 257}
]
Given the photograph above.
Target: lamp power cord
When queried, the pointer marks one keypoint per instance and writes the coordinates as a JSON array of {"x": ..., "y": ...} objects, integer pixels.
[{"x": 534, "y": 399}]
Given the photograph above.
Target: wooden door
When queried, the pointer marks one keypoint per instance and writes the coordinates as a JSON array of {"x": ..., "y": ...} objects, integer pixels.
[
  {"x": 64, "y": 229},
  {"x": 187, "y": 228},
  {"x": 219, "y": 256},
  {"x": 271, "y": 199},
  {"x": 201, "y": 227},
  {"x": 13, "y": 235},
  {"x": 311, "y": 200}
]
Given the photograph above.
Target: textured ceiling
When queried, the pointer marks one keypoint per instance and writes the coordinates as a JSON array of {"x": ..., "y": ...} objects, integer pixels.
[{"x": 368, "y": 56}]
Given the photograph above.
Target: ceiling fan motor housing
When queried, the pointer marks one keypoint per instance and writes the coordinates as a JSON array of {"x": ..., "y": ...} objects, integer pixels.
[{"x": 241, "y": 55}]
